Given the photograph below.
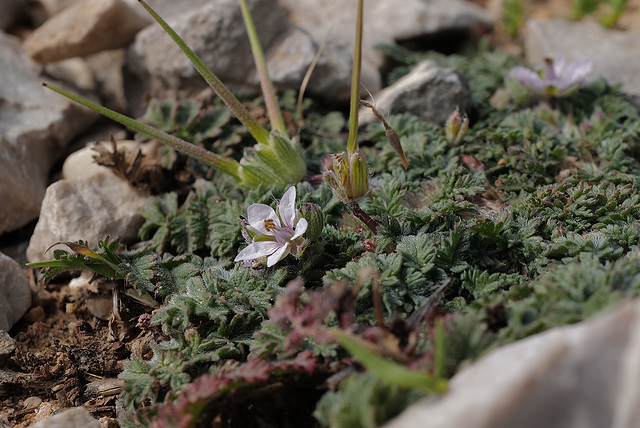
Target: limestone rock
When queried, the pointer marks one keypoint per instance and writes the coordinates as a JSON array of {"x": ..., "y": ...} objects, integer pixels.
[
  {"x": 614, "y": 53},
  {"x": 216, "y": 33},
  {"x": 87, "y": 209},
  {"x": 384, "y": 22},
  {"x": 108, "y": 69},
  {"x": 85, "y": 28},
  {"x": 35, "y": 125},
  {"x": 72, "y": 71},
  {"x": 76, "y": 417},
  {"x": 429, "y": 92},
  {"x": 581, "y": 376},
  {"x": 15, "y": 295}
]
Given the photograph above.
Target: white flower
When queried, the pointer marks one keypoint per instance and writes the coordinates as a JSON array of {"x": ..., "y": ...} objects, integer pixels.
[{"x": 273, "y": 234}]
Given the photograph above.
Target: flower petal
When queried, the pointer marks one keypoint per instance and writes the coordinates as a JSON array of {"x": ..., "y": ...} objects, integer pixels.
[
  {"x": 575, "y": 72},
  {"x": 527, "y": 77},
  {"x": 280, "y": 254},
  {"x": 301, "y": 228},
  {"x": 256, "y": 250},
  {"x": 287, "y": 207},
  {"x": 257, "y": 214}
]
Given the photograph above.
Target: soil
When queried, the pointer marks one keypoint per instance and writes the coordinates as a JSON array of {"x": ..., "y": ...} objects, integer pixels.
[{"x": 71, "y": 346}]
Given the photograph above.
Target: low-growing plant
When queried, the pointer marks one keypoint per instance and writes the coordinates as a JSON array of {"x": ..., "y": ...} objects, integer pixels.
[{"x": 528, "y": 221}]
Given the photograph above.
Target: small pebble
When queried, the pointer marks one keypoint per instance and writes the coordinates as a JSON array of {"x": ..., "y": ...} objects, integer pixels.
[
  {"x": 35, "y": 315},
  {"x": 32, "y": 402}
]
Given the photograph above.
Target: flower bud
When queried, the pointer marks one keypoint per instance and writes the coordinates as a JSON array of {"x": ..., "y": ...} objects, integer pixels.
[
  {"x": 347, "y": 175},
  {"x": 456, "y": 126},
  {"x": 315, "y": 218}
]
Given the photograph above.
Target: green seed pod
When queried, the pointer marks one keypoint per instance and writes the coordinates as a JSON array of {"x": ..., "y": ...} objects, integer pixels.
[
  {"x": 347, "y": 175},
  {"x": 456, "y": 126},
  {"x": 315, "y": 218}
]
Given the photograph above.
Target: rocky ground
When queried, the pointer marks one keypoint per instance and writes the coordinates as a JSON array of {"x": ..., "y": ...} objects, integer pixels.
[{"x": 63, "y": 345}]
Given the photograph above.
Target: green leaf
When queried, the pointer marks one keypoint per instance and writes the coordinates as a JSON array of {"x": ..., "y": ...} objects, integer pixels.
[{"x": 391, "y": 371}]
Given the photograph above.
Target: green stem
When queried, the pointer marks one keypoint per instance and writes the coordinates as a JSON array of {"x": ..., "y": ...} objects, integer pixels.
[
  {"x": 259, "y": 132},
  {"x": 273, "y": 109},
  {"x": 225, "y": 165},
  {"x": 352, "y": 142}
]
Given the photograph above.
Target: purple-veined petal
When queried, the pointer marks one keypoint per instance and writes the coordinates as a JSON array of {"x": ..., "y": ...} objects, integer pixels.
[
  {"x": 257, "y": 249},
  {"x": 527, "y": 77},
  {"x": 298, "y": 246},
  {"x": 576, "y": 71},
  {"x": 257, "y": 214},
  {"x": 278, "y": 255},
  {"x": 301, "y": 228},
  {"x": 287, "y": 207}
]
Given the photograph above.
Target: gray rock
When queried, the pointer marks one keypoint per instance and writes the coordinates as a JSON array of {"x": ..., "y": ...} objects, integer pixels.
[
  {"x": 10, "y": 10},
  {"x": 168, "y": 8},
  {"x": 76, "y": 417},
  {"x": 580, "y": 376},
  {"x": 614, "y": 53},
  {"x": 108, "y": 68},
  {"x": 15, "y": 295},
  {"x": 429, "y": 92},
  {"x": 216, "y": 33},
  {"x": 86, "y": 209},
  {"x": 385, "y": 21},
  {"x": 85, "y": 28},
  {"x": 72, "y": 71},
  {"x": 35, "y": 125},
  {"x": 7, "y": 346}
]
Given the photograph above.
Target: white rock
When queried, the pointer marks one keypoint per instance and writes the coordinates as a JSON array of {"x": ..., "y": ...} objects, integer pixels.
[
  {"x": 216, "y": 33},
  {"x": 76, "y": 417},
  {"x": 15, "y": 296},
  {"x": 86, "y": 209},
  {"x": 385, "y": 21},
  {"x": 35, "y": 125},
  {"x": 581, "y": 376},
  {"x": 614, "y": 53},
  {"x": 429, "y": 92},
  {"x": 85, "y": 28}
]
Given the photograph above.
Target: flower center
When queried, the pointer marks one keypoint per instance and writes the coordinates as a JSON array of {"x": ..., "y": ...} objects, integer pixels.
[{"x": 269, "y": 225}]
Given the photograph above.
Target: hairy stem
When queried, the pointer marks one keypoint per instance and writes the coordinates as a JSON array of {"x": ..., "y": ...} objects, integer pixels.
[
  {"x": 364, "y": 217},
  {"x": 352, "y": 142}
]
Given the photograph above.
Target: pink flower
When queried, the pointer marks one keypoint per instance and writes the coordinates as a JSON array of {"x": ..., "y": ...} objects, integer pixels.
[
  {"x": 274, "y": 234},
  {"x": 558, "y": 77}
]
